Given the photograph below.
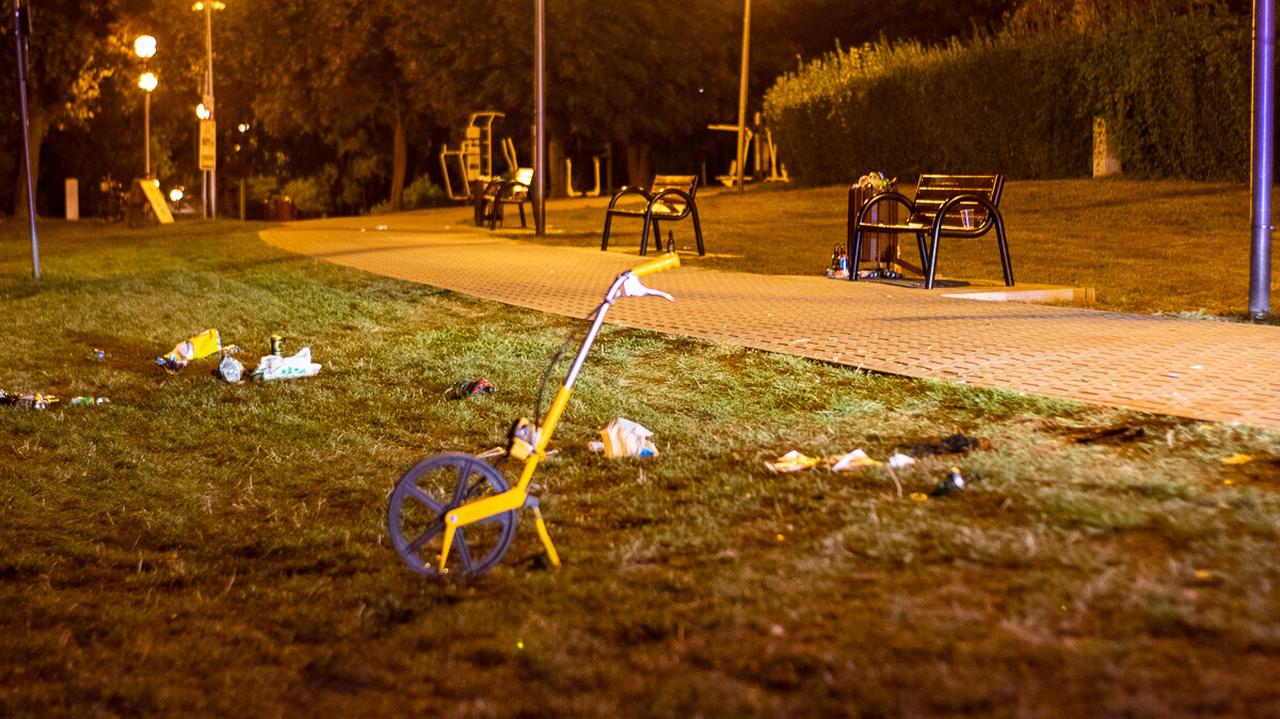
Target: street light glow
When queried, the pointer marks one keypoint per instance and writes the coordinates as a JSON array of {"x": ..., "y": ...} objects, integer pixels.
[
  {"x": 243, "y": 127},
  {"x": 176, "y": 194},
  {"x": 202, "y": 112},
  {"x": 145, "y": 47},
  {"x": 217, "y": 5},
  {"x": 148, "y": 81}
]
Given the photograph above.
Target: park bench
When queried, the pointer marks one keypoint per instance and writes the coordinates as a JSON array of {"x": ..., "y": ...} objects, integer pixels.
[
  {"x": 669, "y": 198},
  {"x": 492, "y": 198},
  {"x": 944, "y": 206}
]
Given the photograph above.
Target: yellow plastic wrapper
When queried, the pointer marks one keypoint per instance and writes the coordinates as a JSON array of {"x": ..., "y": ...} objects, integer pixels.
[
  {"x": 195, "y": 347},
  {"x": 857, "y": 459},
  {"x": 792, "y": 461},
  {"x": 1236, "y": 459}
]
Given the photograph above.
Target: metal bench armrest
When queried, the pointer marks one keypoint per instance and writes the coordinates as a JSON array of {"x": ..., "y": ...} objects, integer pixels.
[
  {"x": 950, "y": 204},
  {"x": 883, "y": 197},
  {"x": 654, "y": 200},
  {"x": 627, "y": 190}
]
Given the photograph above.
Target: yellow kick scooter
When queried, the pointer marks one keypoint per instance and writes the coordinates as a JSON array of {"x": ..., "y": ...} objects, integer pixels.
[{"x": 458, "y": 505}]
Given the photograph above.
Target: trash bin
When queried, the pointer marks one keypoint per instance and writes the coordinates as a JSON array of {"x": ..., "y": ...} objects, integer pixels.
[
  {"x": 280, "y": 209},
  {"x": 880, "y": 249}
]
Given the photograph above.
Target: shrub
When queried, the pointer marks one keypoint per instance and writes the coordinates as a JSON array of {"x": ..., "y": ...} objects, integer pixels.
[
  {"x": 1177, "y": 94},
  {"x": 422, "y": 192},
  {"x": 311, "y": 195}
]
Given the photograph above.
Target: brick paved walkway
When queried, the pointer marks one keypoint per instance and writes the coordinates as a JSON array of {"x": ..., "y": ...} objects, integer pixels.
[{"x": 1206, "y": 370}]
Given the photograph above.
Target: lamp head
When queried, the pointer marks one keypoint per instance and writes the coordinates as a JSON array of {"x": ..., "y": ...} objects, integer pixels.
[{"x": 144, "y": 47}]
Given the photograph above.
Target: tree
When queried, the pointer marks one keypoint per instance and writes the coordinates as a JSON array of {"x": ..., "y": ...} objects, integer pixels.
[{"x": 72, "y": 50}]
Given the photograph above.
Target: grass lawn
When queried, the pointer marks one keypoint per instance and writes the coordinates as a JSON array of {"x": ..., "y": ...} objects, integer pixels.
[
  {"x": 196, "y": 548},
  {"x": 1145, "y": 246}
]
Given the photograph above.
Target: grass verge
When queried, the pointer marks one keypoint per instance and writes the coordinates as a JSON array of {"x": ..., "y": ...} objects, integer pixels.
[{"x": 199, "y": 548}]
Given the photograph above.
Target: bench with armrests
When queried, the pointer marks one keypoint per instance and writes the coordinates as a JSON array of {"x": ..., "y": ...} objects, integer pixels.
[
  {"x": 493, "y": 197},
  {"x": 669, "y": 198},
  {"x": 943, "y": 206}
]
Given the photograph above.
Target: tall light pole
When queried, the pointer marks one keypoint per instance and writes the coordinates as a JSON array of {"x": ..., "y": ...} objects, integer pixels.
[
  {"x": 21, "y": 29},
  {"x": 145, "y": 47},
  {"x": 211, "y": 190},
  {"x": 539, "y": 119},
  {"x": 742, "y": 96},
  {"x": 1263, "y": 151}
]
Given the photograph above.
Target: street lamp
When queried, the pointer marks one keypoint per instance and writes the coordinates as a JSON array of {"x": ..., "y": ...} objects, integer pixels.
[
  {"x": 208, "y": 126},
  {"x": 145, "y": 47}
]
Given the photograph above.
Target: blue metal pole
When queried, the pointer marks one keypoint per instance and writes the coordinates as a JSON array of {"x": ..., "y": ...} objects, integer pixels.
[
  {"x": 1264, "y": 47},
  {"x": 20, "y": 31}
]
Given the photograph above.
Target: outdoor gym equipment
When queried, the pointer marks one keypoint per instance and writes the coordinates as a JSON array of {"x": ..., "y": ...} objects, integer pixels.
[
  {"x": 762, "y": 153},
  {"x": 473, "y": 160},
  {"x": 457, "y": 502},
  {"x": 568, "y": 174}
]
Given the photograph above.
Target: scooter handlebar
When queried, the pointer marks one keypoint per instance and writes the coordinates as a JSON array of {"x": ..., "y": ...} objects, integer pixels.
[{"x": 666, "y": 262}]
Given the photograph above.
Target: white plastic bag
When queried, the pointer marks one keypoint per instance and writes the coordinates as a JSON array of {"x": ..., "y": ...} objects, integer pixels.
[
  {"x": 624, "y": 438},
  {"x": 272, "y": 367}
]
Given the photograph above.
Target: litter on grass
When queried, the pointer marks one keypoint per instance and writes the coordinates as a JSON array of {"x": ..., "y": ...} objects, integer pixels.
[
  {"x": 81, "y": 401},
  {"x": 953, "y": 483},
  {"x": 951, "y": 444},
  {"x": 465, "y": 388},
  {"x": 900, "y": 460},
  {"x": 193, "y": 348},
  {"x": 792, "y": 461},
  {"x": 230, "y": 369},
  {"x": 34, "y": 400},
  {"x": 274, "y": 367},
  {"x": 857, "y": 459},
  {"x": 624, "y": 438},
  {"x": 98, "y": 355},
  {"x": 1236, "y": 459}
]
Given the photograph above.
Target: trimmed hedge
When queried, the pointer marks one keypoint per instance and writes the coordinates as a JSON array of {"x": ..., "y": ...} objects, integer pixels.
[{"x": 1177, "y": 93}]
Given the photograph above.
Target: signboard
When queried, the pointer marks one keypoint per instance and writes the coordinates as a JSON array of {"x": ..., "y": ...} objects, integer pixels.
[
  {"x": 151, "y": 191},
  {"x": 208, "y": 144}
]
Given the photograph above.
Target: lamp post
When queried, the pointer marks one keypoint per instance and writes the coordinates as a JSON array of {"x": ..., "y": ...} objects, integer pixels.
[
  {"x": 539, "y": 119},
  {"x": 211, "y": 186},
  {"x": 742, "y": 96},
  {"x": 145, "y": 47},
  {"x": 22, "y": 29}
]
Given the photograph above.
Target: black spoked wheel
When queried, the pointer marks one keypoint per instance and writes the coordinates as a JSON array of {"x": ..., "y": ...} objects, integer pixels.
[{"x": 428, "y": 491}]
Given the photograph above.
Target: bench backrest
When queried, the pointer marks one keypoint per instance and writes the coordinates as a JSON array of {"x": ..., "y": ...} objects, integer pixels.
[
  {"x": 672, "y": 205},
  {"x": 933, "y": 190},
  {"x": 685, "y": 183}
]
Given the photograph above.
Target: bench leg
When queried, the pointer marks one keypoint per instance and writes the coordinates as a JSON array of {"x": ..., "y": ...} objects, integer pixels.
[
  {"x": 933, "y": 263},
  {"x": 697, "y": 230},
  {"x": 523, "y": 224},
  {"x": 657, "y": 236},
  {"x": 853, "y": 247},
  {"x": 644, "y": 235},
  {"x": 924, "y": 253},
  {"x": 1004, "y": 252},
  {"x": 604, "y": 239}
]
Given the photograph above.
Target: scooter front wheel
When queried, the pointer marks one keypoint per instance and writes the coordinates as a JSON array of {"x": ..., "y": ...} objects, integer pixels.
[{"x": 431, "y": 489}]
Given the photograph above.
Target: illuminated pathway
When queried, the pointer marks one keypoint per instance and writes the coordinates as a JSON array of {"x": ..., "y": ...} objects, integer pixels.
[{"x": 1207, "y": 370}]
